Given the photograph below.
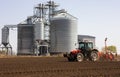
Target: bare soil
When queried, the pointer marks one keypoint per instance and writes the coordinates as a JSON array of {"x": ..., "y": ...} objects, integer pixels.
[{"x": 56, "y": 67}]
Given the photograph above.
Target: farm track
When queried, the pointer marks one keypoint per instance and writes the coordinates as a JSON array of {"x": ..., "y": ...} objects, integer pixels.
[{"x": 56, "y": 67}]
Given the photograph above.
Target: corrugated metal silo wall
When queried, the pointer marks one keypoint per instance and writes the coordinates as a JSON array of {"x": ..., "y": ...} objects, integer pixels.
[
  {"x": 63, "y": 35},
  {"x": 25, "y": 39}
]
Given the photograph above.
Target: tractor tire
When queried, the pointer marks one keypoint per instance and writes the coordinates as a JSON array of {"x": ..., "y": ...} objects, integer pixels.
[
  {"x": 79, "y": 57},
  {"x": 71, "y": 58},
  {"x": 94, "y": 56}
]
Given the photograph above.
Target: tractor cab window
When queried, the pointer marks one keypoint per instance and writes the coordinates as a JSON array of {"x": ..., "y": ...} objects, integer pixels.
[
  {"x": 85, "y": 45},
  {"x": 81, "y": 45},
  {"x": 90, "y": 45}
]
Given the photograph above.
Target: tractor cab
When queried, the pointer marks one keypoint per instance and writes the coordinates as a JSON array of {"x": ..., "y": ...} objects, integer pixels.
[{"x": 85, "y": 46}]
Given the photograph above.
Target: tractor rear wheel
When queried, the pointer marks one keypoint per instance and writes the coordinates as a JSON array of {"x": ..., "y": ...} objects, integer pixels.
[
  {"x": 80, "y": 57},
  {"x": 93, "y": 56}
]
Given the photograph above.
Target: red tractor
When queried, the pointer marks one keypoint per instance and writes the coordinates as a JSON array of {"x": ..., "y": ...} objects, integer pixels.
[{"x": 85, "y": 51}]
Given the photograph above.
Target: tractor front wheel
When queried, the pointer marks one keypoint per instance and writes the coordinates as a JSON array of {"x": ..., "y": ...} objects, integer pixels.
[
  {"x": 80, "y": 57},
  {"x": 71, "y": 57}
]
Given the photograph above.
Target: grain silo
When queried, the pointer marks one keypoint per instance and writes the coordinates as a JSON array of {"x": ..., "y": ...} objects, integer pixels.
[
  {"x": 39, "y": 31},
  {"x": 5, "y": 36},
  {"x": 25, "y": 39},
  {"x": 63, "y": 34},
  {"x": 47, "y": 30}
]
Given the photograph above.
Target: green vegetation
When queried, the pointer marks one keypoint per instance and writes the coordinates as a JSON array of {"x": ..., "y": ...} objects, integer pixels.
[{"x": 111, "y": 48}]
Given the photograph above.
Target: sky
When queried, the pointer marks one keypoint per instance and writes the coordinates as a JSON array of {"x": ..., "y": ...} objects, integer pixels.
[{"x": 99, "y": 18}]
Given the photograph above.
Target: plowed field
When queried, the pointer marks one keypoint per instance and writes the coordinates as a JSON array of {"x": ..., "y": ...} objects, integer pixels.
[{"x": 56, "y": 67}]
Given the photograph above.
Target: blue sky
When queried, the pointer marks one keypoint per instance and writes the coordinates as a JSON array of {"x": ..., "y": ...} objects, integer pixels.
[{"x": 99, "y": 18}]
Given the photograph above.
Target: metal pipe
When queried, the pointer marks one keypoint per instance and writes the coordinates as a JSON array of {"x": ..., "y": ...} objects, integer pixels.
[{"x": 105, "y": 45}]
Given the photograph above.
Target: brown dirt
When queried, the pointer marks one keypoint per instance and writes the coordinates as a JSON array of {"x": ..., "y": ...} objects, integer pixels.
[{"x": 56, "y": 67}]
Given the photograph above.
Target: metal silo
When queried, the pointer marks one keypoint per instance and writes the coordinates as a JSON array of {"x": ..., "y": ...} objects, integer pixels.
[
  {"x": 63, "y": 34},
  {"x": 25, "y": 39},
  {"x": 5, "y": 36},
  {"x": 39, "y": 31}
]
